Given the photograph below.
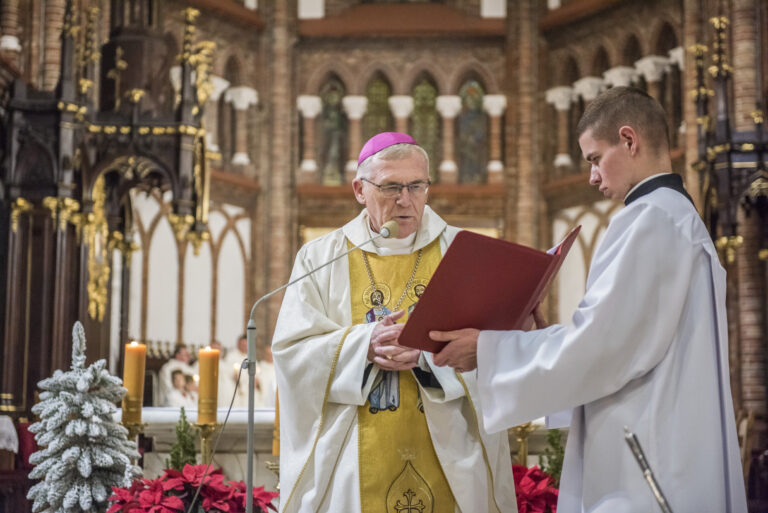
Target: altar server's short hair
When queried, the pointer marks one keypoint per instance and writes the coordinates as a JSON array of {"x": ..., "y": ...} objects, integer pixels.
[{"x": 619, "y": 106}]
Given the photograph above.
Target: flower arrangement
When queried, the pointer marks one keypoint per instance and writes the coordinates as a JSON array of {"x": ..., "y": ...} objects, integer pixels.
[
  {"x": 174, "y": 491},
  {"x": 534, "y": 490}
]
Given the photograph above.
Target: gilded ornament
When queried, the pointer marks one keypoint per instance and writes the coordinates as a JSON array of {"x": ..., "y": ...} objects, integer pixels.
[
  {"x": 96, "y": 235},
  {"x": 758, "y": 116},
  {"x": 135, "y": 95},
  {"x": 727, "y": 247},
  {"x": 116, "y": 72},
  {"x": 18, "y": 207},
  {"x": 196, "y": 239},
  {"x": 758, "y": 188},
  {"x": 181, "y": 225}
]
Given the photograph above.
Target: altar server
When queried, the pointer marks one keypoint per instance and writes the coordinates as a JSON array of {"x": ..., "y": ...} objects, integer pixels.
[{"x": 647, "y": 346}]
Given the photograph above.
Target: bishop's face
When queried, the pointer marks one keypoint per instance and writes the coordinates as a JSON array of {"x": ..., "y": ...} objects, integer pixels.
[
  {"x": 407, "y": 207},
  {"x": 610, "y": 165}
]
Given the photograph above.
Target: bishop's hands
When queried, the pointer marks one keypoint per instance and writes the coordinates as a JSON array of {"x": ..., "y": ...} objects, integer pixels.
[{"x": 385, "y": 351}]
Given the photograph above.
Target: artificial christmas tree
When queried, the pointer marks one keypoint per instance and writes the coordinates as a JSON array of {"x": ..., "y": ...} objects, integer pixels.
[{"x": 84, "y": 452}]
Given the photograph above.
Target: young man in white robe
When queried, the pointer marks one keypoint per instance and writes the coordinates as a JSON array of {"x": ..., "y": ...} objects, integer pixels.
[
  {"x": 646, "y": 348},
  {"x": 367, "y": 425}
]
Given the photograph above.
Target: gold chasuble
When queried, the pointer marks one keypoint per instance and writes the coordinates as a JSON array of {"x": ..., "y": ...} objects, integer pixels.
[{"x": 399, "y": 470}]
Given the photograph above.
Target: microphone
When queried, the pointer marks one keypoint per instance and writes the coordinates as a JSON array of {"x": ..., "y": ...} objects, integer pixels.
[{"x": 388, "y": 230}]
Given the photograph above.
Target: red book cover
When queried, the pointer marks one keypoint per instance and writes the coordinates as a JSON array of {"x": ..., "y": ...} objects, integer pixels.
[{"x": 483, "y": 283}]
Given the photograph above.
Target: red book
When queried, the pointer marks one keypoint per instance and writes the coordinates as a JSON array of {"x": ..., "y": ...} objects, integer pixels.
[{"x": 483, "y": 283}]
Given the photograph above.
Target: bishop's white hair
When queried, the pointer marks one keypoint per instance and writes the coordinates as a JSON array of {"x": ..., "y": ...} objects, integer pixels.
[{"x": 398, "y": 151}]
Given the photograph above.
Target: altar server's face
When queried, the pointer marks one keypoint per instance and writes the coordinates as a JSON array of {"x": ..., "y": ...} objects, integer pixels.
[
  {"x": 611, "y": 166},
  {"x": 405, "y": 208}
]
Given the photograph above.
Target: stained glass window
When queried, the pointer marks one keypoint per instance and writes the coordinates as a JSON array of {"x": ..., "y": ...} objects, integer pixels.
[
  {"x": 472, "y": 143},
  {"x": 332, "y": 133},
  {"x": 377, "y": 116},
  {"x": 425, "y": 122}
]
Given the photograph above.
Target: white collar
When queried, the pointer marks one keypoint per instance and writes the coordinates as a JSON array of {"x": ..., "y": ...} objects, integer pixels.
[
  {"x": 358, "y": 231},
  {"x": 641, "y": 182}
]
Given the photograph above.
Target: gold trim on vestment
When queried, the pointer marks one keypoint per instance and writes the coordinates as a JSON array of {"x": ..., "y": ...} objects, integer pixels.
[
  {"x": 323, "y": 412},
  {"x": 480, "y": 439}
]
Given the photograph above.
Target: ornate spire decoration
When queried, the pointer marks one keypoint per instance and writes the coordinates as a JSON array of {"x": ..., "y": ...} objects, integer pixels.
[{"x": 732, "y": 164}]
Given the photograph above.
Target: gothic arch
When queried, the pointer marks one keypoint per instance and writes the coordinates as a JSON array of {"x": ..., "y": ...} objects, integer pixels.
[
  {"x": 232, "y": 57},
  {"x": 321, "y": 74},
  {"x": 379, "y": 69},
  {"x": 631, "y": 50},
  {"x": 600, "y": 62},
  {"x": 473, "y": 70},
  {"x": 422, "y": 68},
  {"x": 664, "y": 38},
  {"x": 570, "y": 71}
]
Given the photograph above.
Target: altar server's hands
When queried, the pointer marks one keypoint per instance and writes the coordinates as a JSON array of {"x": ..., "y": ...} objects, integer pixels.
[
  {"x": 460, "y": 351},
  {"x": 384, "y": 349}
]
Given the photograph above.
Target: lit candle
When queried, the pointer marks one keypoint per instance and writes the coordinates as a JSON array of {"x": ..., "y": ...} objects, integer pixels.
[
  {"x": 135, "y": 360},
  {"x": 207, "y": 392},
  {"x": 276, "y": 431}
]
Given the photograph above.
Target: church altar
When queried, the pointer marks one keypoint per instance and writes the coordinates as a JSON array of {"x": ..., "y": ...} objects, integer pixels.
[{"x": 160, "y": 424}]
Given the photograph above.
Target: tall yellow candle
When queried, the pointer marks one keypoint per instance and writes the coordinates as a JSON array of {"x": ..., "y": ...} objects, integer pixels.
[
  {"x": 207, "y": 392},
  {"x": 134, "y": 362}
]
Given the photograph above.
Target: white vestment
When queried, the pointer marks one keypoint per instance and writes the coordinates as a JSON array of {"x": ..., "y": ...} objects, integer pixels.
[
  {"x": 319, "y": 433},
  {"x": 647, "y": 349}
]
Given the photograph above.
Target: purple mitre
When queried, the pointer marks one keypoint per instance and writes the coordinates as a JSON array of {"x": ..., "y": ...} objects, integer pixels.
[{"x": 383, "y": 140}]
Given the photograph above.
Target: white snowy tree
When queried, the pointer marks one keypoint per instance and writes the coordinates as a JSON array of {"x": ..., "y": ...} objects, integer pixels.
[{"x": 83, "y": 451}]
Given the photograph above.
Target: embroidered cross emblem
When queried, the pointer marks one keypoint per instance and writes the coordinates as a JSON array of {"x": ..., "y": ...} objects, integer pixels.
[{"x": 409, "y": 506}]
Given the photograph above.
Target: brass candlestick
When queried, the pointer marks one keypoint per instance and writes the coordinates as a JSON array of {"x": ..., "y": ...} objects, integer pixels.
[
  {"x": 521, "y": 436},
  {"x": 274, "y": 466},
  {"x": 134, "y": 430},
  {"x": 206, "y": 441}
]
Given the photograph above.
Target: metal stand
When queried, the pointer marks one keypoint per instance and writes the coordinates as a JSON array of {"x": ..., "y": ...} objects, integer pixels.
[{"x": 522, "y": 432}]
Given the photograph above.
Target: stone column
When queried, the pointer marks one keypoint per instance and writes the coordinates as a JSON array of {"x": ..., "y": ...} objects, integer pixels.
[
  {"x": 241, "y": 98},
  {"x": 355, "y": 107},
  {"x": 212, "y": 114},
  {"x": 588, "y": 88},
  {"x": 54, "y": 21},
  {"x": 310, "y": 107},
  {"x": 449, "y": 107},
  {"x": 495, "y": 105},
  {"x": 653, "y": 68},
  {"x": 401, "y": 107},
  {"x": 9, "y": 24},
  {"x": 620, "y": 76},
  {"x": 561, "y": 98}
]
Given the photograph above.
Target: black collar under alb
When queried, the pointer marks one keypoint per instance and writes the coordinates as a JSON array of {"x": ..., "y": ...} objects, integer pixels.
[{"x": 670, "y": 181}]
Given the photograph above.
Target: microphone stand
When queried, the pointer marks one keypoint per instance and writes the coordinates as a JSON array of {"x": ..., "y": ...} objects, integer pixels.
[{"x": 389, "y": 229}]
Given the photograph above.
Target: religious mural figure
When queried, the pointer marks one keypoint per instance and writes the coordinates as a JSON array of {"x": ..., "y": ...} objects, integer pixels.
[{"x": 473, "y": 134}]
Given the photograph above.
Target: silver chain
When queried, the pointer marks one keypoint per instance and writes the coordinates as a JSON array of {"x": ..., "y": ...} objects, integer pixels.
[{"x": 407, "y": 285}]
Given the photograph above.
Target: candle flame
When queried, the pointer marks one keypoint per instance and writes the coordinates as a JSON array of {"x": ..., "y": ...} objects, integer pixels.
[
  {"x": 133, "y": 343},
  {"x": 196, "y": 378}
]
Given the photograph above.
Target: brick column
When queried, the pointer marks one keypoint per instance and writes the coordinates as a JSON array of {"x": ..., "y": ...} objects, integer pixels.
[
  {"x": 309, "y": 107},
  {"x": 9, "y": 23},
  {"x": 241, "y": 98},
  {"x": 562, "y": 98},
  {"x": 211, "y": 113},
  {"x": 401, "y": 107},
  {"x": 355, "y": 107},
  {"x": 54, "y": 20},
  {"x": 528, "y": 195},
  {"x": 652, "y": 68},
  {"x": 620, "y": 76},
  {"x": 448, "y": 107},
  {"x": 282, "y": 229},
  {"x": 495, "y": 105},
  {"x": 751, "y": 270}
]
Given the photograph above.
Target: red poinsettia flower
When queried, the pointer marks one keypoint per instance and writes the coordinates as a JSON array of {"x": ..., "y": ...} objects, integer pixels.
[
  {"x": 124, "y": 500},
  {"x": 261, "y": 498},
  {"x": 534, "y": 491},
  {"x": 154, "y": 500}
]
